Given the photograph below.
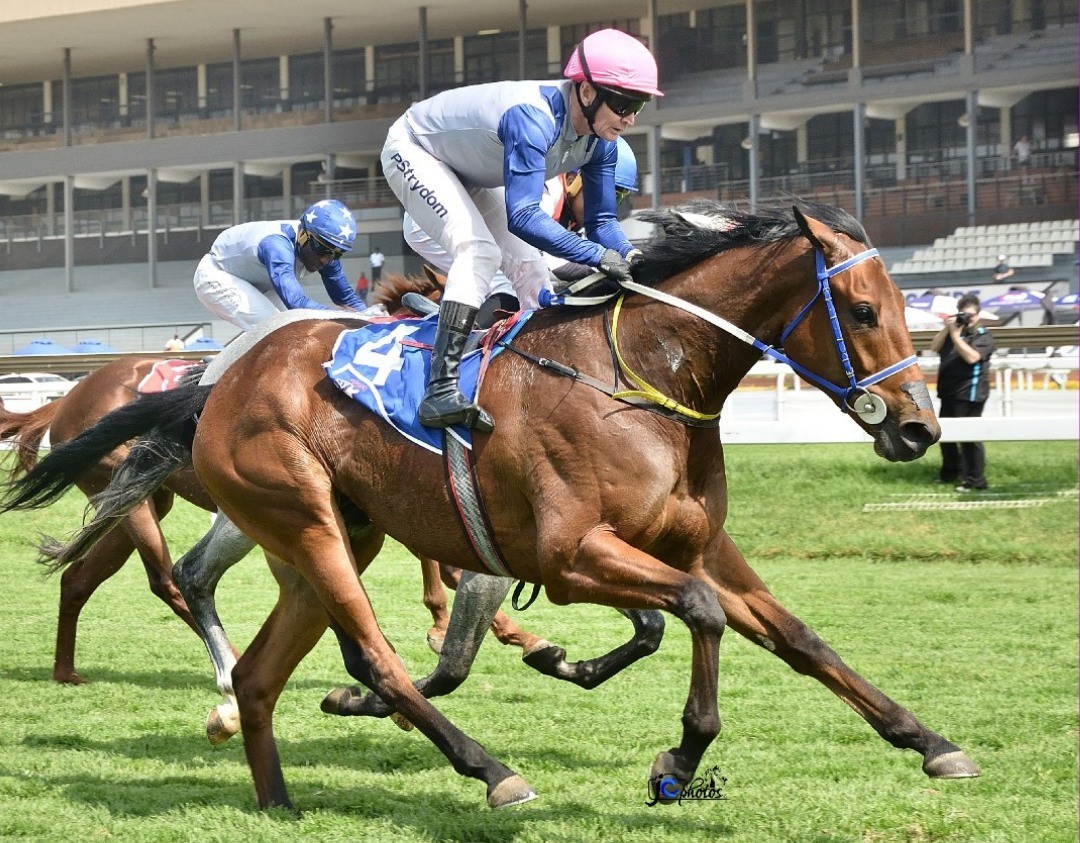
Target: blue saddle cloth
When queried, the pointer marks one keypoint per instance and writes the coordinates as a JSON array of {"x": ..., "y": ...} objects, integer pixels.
[{"x": 371, "y": 365}]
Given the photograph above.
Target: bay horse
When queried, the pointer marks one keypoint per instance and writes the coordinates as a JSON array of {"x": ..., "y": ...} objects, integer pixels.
[
  {"x": 192, "y": 582},
  {"x": 114, "y": 385},
  {"x": 604, "y": 495}
]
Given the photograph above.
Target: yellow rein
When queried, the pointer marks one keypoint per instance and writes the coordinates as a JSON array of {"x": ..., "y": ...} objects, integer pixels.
[{"x": 645, "y": 390}]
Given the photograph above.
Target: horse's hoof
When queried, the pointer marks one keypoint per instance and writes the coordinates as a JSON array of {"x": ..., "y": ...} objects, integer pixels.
[
  {"x": 435, "y": 639},
  {"x": 338, "y": 700},
  {"x": 951, "y": 765},
  {"x": 222, "y": 723},
  {"x": 545, "y": 657},
  {"x": 513, "y": 790},
  {"x": 69, "y": 678},
  {"x": 664, "y": 785},
  {"x": 402, "y": 722}
]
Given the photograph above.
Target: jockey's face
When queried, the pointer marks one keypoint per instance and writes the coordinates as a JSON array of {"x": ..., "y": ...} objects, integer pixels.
[{"x": 312, "y": 257}]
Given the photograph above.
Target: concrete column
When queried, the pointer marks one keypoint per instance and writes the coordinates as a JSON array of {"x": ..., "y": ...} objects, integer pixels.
[
  {"x": 330, "y": 166},
  {"x": 67, "y": 96},
  {"x": 369, "y": 66},
  {"x": 751, "y": 43},
  {"x": 204, "y": 199},
  {"x": 50, "y": 209},
  {"x": 236, "y": 79},
  {"x": 802, "y": 142},
  {"x": 69, "y": 230},
  {"x": 238, "y": 193},
  {"x": 858, "y": 116},
  {"x": 47, "y": 116},
  {"x": 555, "y": 57},
  {"x": 201, "y": 89},
  {"x": 755, "y": 157},
  {"x": 123, "y": 97},
  {"x": 286, "y": 189},
  {"x": 151, "y": 225},
  {"x": 328, "y": 70},
  {"x": 459, "y": 58},
  {"x": 972, "y": 132},
  {"x": 424, "y": 54},
  {"x": 523, "y": 27},
  {"x": 150, "y": 104},
  {"x": 283, "y": 81},
  {"x": 900, "y": 138},
  {"x": 125, "y": 203},
  {"x": 655, "y": 141}
]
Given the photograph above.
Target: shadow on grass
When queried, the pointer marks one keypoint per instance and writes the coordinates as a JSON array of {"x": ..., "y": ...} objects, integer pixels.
[
  {"x": 434, "y": 813},
  {"x": 152, "y": 679}
]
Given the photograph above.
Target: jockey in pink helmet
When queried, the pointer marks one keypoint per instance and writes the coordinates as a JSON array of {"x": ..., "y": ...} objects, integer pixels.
[
  {"x": 469, "y": 166},
  {"x": 618, "y": 67}
]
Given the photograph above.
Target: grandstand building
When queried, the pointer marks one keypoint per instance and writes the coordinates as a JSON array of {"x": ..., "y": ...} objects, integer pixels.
[{"x": 134, "y": 131}]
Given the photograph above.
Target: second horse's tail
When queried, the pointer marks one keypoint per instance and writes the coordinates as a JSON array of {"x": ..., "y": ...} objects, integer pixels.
[
  {"x": 27, "y": 430},
  {"x": 169, "y": 414}
]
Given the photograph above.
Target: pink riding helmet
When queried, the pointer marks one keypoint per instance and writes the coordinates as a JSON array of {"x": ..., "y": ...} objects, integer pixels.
[{"x": 615, "y": 59}]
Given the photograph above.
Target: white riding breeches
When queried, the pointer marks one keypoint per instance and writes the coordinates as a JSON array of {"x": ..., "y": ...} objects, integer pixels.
[
  {"x": 468, "y": 223},
  {"x": 231, "y": 298},
  {"x": 436, "y": 255}
]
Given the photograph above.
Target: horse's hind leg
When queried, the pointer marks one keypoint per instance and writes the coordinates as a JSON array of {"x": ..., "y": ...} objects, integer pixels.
[
  {"x": 143, "y": 526},
  {"x": 197, "y": 574},
  {"x": 293, "y": 628},
  {"x": 589, "y": 673},
  {"x": 435, "y": 601},
  {"x": 78, "y": 582},
  {"x": 753, "y": 611}
]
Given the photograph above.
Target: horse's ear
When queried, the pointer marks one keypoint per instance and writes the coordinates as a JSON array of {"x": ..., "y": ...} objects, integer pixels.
[
  {"x": 816, "y": 232},
  {"x": 434, "y": 277}
]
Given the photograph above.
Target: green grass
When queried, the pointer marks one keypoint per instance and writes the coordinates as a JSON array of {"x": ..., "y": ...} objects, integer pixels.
[{"x": 969, "y": 618}]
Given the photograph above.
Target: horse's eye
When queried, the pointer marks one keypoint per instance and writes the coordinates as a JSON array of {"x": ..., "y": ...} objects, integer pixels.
[{"x": 864, "y": 315}]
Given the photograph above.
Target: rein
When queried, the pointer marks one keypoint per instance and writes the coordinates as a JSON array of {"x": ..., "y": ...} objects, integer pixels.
[{"x": 869, "y": 407}]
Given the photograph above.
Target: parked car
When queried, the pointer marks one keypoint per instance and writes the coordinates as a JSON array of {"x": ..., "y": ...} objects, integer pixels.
[{"x": 22, "y": 392}]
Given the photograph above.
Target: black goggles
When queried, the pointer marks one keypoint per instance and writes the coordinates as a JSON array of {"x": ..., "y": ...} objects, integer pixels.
[
  {"x": 323, "y": 249},
  {"x": 621, "y": 193},
  {"x": 621, "y": 104}
]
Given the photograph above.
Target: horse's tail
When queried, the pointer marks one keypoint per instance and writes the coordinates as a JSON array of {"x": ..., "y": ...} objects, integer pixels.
[
  {"x": 142, "y": 472},
  {"x": 170, "y": 414},
  {"x": 27, "y": 429}
]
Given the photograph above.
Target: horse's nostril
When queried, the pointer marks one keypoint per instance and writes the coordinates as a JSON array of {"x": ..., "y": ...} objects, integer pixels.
[{"x": 918, "y": 435}]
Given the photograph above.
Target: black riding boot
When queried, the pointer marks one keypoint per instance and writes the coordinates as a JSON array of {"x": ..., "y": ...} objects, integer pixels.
[{"x": 443, "y": 404}]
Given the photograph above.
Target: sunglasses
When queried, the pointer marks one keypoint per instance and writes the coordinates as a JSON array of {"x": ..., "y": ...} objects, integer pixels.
[
  {"x": 322, "y": 249},
  {"x": 621, "y": 104}
]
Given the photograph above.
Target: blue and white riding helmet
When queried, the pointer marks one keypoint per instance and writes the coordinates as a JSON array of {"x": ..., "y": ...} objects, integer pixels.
[{"x": 331, "y": 224}]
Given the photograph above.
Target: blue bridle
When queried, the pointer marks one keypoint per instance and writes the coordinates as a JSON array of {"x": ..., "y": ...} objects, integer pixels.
[
  {"x": 870, "y": 408},
  {"x": 853, "y": 388}
]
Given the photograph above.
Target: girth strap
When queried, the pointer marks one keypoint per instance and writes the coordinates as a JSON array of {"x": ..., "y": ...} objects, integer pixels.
[{"x": 465, "y": 493}]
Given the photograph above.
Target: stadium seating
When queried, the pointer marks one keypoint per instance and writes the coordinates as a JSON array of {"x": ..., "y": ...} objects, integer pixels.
[{"x": 1026, "y": 244}]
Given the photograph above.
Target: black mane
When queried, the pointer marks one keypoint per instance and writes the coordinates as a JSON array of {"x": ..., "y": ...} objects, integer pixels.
[{"x": 680, "y": 243}]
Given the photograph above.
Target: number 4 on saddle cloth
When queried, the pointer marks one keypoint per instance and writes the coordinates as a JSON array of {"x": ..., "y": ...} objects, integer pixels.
[{"x": 385, "y": 367}]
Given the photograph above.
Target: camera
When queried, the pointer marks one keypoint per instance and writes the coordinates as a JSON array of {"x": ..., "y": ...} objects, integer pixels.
[{"x": 963, "y": 318}]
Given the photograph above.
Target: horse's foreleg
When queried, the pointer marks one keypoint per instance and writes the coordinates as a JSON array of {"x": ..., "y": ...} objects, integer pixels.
[
  {"x": 435, "y": 602},
  {"x": 754, "y": 613},
  {"x": 293, "y": 628},
  {"x": 610, "y": 572},
  {"x": 197, "y": 575},
  {"x": 78, "y": 582},
  {"x": 476, "y": 600}
]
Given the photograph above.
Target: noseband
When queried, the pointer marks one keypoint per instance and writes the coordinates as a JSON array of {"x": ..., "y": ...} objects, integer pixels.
[{"x": 854, "y": 395}]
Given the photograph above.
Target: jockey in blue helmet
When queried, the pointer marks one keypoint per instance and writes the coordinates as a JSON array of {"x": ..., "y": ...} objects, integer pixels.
[
  {"x": 332, "y": 226},
  {"x": 249, "y": 261}
]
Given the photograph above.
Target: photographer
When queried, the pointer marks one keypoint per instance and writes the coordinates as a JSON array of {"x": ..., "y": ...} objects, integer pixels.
[{"x": 963, "y": 387}]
